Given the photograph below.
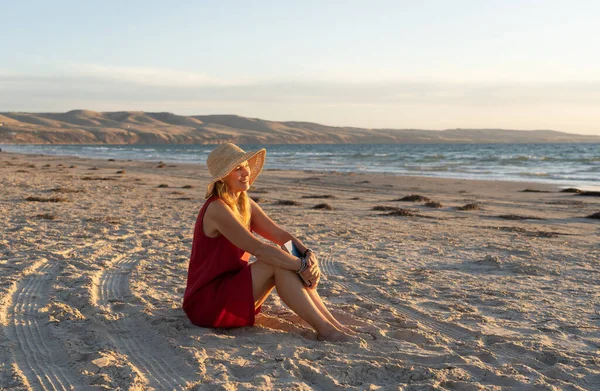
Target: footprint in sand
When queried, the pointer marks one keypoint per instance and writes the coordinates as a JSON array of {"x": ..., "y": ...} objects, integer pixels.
[{"x": 410, "y": 317}]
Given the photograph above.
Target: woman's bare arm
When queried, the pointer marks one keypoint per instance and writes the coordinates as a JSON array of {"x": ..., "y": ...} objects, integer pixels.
[
  {"x": 268, "y": 229},
  {"x": 220, "y": 216}
]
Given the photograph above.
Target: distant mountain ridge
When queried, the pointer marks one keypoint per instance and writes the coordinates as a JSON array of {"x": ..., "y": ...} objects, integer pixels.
[{"x": 137, "y": 127}]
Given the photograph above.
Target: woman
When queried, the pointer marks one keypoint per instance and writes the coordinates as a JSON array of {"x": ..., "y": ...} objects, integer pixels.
[{"x": 223, "y": 289}]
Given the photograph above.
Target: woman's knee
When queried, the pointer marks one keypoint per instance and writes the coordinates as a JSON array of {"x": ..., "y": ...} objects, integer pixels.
[
  {"x": 263, "y": 266},
  {"x": 266, "y": 270},
  {"x": 262, "y": 271},
  {"x": 263, "y": 279},
  {"x": 268, "y": 266}
]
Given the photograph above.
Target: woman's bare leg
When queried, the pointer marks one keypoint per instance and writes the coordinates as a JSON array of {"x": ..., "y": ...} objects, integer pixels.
[
  {"x": 314, "y": 295},
  {"x": 292, "y": 292},
  {"x": 263, "y": 282}
]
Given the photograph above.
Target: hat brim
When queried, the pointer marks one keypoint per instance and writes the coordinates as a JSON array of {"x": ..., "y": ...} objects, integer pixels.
[{"x": 256, "y": 161}]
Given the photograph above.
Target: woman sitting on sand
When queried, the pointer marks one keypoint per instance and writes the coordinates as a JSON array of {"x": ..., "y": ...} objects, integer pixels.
[{"x": 223, "y": 289}]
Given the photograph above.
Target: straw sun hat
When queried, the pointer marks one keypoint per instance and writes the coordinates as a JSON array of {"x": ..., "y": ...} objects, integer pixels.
[{"x": 224, "y": 158}]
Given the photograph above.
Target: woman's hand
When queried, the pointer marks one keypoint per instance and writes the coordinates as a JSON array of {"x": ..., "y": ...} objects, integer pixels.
[{"x": 313, "y": 273}]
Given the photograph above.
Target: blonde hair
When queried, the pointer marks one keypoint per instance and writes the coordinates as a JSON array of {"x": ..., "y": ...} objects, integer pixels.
[{"x": 241, "y": 208}]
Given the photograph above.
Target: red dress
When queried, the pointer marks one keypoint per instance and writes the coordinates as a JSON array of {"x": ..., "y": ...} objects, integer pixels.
[{"x": 219, "y": 284}]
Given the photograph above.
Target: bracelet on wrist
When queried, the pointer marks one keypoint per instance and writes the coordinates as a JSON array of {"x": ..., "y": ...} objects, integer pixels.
[{"x": 303, "y": 265}]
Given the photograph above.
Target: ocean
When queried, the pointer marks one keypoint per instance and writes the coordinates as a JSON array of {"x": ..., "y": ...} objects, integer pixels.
[{"x": 576, "y": 165}]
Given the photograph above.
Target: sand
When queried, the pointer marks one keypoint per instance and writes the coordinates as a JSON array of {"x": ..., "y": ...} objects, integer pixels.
[{"x": 93, "y": 269}]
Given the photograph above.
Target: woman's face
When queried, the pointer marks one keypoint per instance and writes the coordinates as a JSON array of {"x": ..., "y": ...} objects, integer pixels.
[{"x": 238, "y": 180}]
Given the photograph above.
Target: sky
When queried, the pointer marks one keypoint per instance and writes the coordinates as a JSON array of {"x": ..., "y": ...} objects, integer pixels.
[{"x": 375, "y": 64}]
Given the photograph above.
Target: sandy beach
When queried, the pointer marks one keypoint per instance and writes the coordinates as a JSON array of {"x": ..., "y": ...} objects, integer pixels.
[{"x": 503, "y": 294}]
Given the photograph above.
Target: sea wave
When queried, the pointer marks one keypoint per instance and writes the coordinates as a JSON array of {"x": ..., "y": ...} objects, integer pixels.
[
  {"x": 534, "y": 174},
  {"x": 554, "y": 163}
]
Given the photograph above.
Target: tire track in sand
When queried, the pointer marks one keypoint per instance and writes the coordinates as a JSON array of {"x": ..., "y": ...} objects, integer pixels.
[
  {"x": 36, "y": 351},
  {"x": 332, "y": 268},
  {"x": 113, "y": 284},
  {"x": 128, "y": 330}
]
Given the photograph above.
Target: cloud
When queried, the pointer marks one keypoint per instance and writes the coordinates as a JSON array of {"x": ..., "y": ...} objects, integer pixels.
[
  {"x": 65, "y": 75},
  {"x": 153, "y": 84},
  {"x": 147, "y": 76}
]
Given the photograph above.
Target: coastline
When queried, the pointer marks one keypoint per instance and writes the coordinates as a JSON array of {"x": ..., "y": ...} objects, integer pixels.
[
  {"x": 526, "y": 163},
  {"x": 504, "y": 294}
]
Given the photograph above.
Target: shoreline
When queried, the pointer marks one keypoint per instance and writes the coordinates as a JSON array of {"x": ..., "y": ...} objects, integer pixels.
[
  {"x": 94, "y": 262},
  {"x": 525, "y": 182}
]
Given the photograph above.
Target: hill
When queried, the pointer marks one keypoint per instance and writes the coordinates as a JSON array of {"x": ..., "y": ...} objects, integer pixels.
[{"x": 133, "y": 127}]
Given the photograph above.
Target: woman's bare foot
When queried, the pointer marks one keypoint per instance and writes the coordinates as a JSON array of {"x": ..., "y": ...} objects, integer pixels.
[
  {"x": 347, "y": 330},
  {"x": 335, "y": 335}
]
